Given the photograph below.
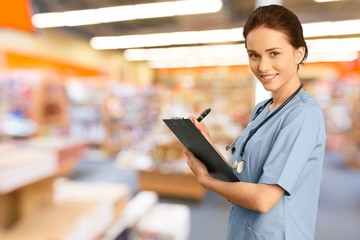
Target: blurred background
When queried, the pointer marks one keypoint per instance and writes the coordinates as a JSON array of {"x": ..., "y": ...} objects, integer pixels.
[{"x": 84, "y": 86}]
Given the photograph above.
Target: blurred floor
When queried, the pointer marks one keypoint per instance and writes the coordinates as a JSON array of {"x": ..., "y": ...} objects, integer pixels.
[{"x": 339, "y": 206}]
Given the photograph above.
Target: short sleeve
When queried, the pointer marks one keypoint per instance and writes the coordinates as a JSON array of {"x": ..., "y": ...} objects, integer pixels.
[{"x": 298, "y": 138}]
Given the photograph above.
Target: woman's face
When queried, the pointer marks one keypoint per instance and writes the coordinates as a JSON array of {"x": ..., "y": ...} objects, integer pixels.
[{"x": 272, "y": 59}]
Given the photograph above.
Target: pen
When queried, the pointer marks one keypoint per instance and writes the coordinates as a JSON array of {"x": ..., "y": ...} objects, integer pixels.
[{"x": 203, "y": 114}]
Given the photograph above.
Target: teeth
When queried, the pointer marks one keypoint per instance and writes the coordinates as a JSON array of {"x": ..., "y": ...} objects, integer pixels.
[{"x": 269, "y": 76}]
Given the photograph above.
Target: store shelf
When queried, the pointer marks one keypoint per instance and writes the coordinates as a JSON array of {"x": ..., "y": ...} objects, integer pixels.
[
  {"x": 71, "y": 220},
  {"x": 27, "y": 171},
  {"x": 179, "y": 185}
]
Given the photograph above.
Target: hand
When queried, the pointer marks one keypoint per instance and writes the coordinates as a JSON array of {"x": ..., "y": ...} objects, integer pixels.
[
  {"x": 201, "y": 126},
  {"x": 196, "y": 166}
]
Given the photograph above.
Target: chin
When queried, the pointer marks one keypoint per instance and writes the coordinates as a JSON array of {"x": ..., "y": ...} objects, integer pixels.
[{"x": 268, "y": 86}]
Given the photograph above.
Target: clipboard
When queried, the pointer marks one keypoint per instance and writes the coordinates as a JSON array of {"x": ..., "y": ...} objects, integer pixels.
[{"x": 194, "y": 140}]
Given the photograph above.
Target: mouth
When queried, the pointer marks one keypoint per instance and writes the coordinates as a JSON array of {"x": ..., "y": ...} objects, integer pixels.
[{"x": 267, "y": 77}]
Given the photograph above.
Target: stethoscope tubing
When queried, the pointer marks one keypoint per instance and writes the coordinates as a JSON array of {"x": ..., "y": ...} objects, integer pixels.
[{"x": 253, "y": 131}]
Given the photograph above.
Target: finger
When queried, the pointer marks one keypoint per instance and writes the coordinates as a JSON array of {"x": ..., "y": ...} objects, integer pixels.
[
  {"x": 189, "y": 154},
  {"x": 204, "y": 127},
  {"x": 199, "y": 125}
]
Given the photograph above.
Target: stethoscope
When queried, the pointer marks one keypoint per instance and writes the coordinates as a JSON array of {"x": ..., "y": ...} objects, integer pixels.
[{"x": 239, "y": 165}]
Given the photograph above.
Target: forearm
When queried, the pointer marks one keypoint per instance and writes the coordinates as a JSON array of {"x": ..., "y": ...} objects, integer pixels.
[
  {"x": 254, "y": 196},
  {"x": 257, "y": 197}
]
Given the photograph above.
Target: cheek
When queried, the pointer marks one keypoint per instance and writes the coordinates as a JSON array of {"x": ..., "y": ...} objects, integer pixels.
[
  {"x": 254, "y": 66},
  {"x": 285, "y": 64}
]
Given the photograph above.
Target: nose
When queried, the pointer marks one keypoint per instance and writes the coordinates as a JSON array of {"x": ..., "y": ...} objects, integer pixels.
[{"x": 264, "y": 65}]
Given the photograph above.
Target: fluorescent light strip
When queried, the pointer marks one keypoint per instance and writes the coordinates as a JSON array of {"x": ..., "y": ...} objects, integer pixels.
[
  {"x": 176, "y": 53},
  {"x": 319, "y": 29},
  {"x": 330, "y": 57},
  {"x": 320, "y": 50},
  {"x": 209, "y": 62},
  {"x": 338, "y": 28},
  {"x": 334, "y": 45},
  {"x": 125, "y": 13},
  {"x": 324, "y": 1},
  {"x": 219, "y": 55},
  {"x": 167, "y": 39}
]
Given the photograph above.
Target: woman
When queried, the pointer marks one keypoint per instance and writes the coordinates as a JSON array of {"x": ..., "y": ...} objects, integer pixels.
[{"x": 278, "y": 158}]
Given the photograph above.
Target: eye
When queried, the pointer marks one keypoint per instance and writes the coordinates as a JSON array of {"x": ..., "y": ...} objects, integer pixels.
[
  {"x": 253, "y": 56},
  {"x": 274, "y": 54}
]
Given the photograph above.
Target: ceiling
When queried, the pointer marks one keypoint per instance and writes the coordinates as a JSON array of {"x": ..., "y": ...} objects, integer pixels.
[{"x": 232, "y": 15}]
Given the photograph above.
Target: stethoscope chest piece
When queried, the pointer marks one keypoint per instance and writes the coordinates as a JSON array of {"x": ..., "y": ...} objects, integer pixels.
[{"x": 239, "y": 166}]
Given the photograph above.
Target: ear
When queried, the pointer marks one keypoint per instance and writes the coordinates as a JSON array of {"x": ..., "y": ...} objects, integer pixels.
[{"x": 299, "y": 54}]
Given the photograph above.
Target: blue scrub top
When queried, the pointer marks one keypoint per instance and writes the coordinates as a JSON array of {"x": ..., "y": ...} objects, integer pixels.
[{"x": 288, "y": 150}]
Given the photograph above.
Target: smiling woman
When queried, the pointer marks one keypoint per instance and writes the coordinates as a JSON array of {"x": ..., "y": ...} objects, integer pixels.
[{"x": 278, "y": 157}]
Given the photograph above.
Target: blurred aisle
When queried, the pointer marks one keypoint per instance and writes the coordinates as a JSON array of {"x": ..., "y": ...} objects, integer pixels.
[{"x": 339, "y": 206}]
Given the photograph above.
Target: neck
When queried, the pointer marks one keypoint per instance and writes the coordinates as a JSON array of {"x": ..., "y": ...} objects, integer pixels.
[{"x": 280, "y": 96}]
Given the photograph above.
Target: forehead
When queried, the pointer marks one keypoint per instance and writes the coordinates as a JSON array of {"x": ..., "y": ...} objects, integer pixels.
[{"x": 262, "y": 38}]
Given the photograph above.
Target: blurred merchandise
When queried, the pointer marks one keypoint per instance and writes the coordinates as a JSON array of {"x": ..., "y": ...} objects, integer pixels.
[
  {"x": 144, "y": 217},
  {"x": 109, "y": 115},
  {"x": 32, "y": 102},
  {"x": 68, "y": 150},
  {"x": 86, "y": 98},
  {"x": 17, "y": 126},
  {"x": 164, "y": 221}
]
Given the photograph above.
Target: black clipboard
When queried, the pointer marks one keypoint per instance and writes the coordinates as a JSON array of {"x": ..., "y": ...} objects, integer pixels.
[{"x": 193, "y": 140}]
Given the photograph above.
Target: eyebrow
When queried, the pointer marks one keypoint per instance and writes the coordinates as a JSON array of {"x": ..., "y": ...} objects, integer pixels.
[{"x": 267, "y": 50}]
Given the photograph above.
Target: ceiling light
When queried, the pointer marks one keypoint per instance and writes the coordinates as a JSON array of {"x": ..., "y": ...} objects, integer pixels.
[
  {"x": 208, "y": 62},
  {"x": 338, "y": 28},
  {"x": 320, "y": 50},
  {"x": 125, "y": 13},
  {"x": 311, "y": 30},
  {"x": 334, "y": 45},
  {"x": 217, "y": 51},
  {"x": 330, "y": 57},
  {"x": 323, "y": 1},
  {"x": 167, "y": 39},
  {"x": 219, "y": 55}
]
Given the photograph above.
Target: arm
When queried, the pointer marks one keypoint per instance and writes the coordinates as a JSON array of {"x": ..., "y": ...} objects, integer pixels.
[{"x": 257, "y": 197}]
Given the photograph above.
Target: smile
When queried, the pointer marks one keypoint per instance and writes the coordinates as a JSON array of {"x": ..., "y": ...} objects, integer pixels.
[{"x": 268, "y": 77}]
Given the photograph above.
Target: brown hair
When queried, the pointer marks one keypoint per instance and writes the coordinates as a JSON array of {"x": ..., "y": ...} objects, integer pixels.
[{"x": 278, "y": 18}]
